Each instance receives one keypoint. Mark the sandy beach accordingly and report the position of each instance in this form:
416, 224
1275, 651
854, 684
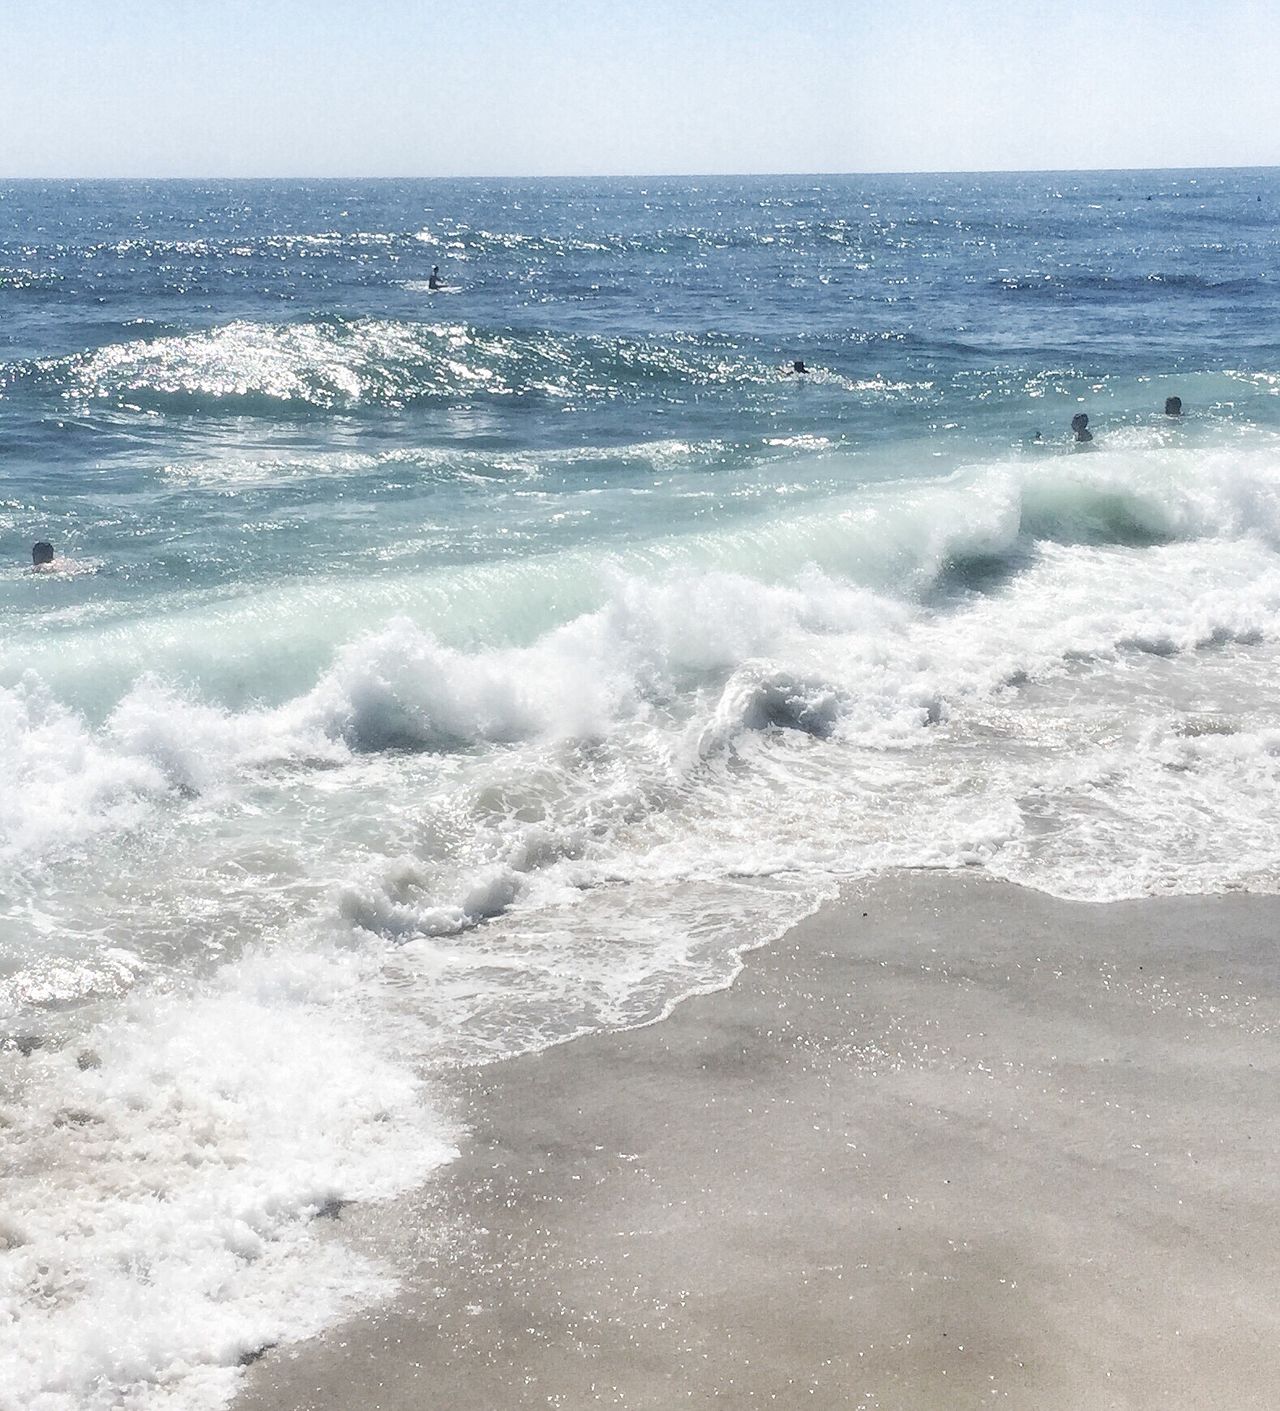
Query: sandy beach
946, 1144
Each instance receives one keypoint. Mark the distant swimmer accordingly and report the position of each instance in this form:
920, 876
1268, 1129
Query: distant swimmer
434, 282
798, 367
1080, 425
1173, 406
44, 560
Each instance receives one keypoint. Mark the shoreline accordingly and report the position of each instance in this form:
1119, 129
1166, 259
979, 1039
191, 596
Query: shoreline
946, 1143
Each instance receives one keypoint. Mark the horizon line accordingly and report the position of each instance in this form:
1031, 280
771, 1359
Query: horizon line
670, 176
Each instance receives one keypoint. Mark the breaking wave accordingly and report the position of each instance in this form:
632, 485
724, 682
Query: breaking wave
708, 631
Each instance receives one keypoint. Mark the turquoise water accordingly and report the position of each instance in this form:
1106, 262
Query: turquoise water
427, 675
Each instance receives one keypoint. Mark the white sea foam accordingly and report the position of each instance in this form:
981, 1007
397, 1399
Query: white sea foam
67, 783
161, 1174
62, 782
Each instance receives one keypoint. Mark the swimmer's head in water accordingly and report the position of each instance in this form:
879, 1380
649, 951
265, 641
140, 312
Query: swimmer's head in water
41, 553
1173, 406
1080, 421
798, 366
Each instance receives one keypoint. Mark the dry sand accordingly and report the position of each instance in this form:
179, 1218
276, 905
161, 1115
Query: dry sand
947, 1144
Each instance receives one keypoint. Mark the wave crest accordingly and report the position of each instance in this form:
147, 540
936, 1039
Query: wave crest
343, 364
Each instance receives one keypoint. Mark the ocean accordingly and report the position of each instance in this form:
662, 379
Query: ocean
427, 676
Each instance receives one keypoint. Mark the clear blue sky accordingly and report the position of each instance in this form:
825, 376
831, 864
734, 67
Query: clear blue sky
558, 87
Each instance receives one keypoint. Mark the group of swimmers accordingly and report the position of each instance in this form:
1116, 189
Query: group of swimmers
1080, 422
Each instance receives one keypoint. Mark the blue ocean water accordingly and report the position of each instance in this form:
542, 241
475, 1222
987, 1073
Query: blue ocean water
433, 674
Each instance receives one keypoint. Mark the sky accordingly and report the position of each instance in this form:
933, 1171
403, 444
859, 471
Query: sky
156, 88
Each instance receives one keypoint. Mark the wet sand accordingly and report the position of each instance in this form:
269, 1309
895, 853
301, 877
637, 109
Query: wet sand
946, 1144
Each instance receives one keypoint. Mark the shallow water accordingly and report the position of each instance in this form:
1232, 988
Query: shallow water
427, 676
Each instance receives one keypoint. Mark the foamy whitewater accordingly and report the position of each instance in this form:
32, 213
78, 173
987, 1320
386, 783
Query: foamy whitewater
428, 676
